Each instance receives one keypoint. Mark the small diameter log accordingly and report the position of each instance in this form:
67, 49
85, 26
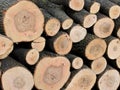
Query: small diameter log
60, 43
92, 6
118, 62
99, 65
83, 79
109, 80
104, 26
113, 49
77, 33
6, 46
76, 62
15, 76
83, 17
109, 8
52, 24
26, 56
38, 44
75, 5
51, 72
91, 47
23, 21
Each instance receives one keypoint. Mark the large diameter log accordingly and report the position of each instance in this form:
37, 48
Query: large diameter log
113, 48
104, 26
92, 6
77, 33
83, 79
6, 46
91, 47
109, 8
75, 5
51, 72
118, 62
15, 76
109, 80
60, 43
23, 21
83, 17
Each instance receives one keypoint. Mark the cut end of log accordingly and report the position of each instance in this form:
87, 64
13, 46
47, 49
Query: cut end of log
76, 5
83, 80
95, 49
118, 33
118, 62
77, 33
95, 7
67, 23
104, 27
89, 20
77, 63
52, 27
110, 80
39, 44
24, 19
99, 65
114, 49
6, 46
17, 78
114, 12
32, 56
55, 73
63, 44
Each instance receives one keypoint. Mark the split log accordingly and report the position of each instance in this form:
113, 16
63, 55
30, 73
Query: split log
75, 5
118, 62
83, 79
91, 47
99, 65
23, 18
92, 6
113, 48
56, 11
38, 44
51, 72
15, 76
109, 8
83, 17
76, 62
109, 80
104, 26
52, 24
60, 43
6, 46
26, 56
77, 33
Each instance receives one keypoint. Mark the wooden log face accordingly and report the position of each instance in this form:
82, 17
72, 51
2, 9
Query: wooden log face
95, 7
118, 62
77, 63
25, 21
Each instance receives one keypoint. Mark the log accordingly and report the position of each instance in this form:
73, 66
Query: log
6, 46
99, 65
38, 44
60, 43
75, 5
104, 26
92, 6
52, 24
77, 33
109, 8
26, 56
15, 76
91, 47
56, 11
118, 62
55, 71
23, 18
83, 17
109, 80
113, 49
83, 79
76, 62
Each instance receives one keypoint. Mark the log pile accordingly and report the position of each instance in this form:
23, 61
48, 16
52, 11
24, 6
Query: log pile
60, 44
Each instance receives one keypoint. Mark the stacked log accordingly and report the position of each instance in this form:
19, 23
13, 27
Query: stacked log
60, 44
